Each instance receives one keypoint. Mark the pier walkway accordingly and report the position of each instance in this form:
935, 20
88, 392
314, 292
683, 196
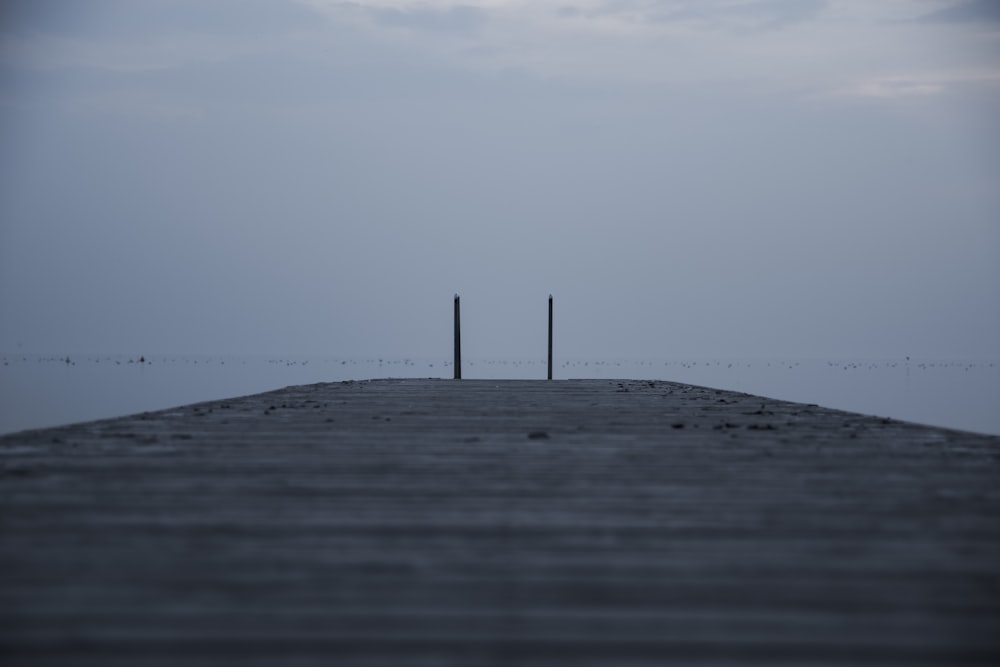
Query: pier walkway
475, 522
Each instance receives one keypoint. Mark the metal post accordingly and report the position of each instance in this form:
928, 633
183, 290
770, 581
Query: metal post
550, 336
458, 341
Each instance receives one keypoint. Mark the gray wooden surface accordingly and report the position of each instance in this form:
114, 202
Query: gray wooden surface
437, 522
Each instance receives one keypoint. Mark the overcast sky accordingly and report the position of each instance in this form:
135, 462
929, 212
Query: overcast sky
728, 178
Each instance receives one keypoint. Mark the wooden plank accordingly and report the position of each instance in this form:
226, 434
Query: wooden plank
474, 522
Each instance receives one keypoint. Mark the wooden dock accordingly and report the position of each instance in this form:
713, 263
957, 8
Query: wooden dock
474, 522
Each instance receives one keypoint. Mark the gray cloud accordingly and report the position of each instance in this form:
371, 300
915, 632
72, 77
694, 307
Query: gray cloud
462, 18
569, 11
129, 19
967, 11
757, 14
32, 16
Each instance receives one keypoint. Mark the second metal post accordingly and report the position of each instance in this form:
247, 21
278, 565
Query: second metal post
550, 336
458, 340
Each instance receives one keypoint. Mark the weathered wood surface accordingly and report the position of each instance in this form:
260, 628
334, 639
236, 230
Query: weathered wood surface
424, 522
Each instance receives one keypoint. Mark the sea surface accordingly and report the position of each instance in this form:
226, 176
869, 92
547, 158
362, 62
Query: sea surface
38, 391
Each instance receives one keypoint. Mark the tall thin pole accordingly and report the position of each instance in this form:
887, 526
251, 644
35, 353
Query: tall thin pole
550, 336
458, 340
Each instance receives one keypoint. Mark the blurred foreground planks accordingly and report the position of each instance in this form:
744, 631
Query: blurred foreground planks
474, 522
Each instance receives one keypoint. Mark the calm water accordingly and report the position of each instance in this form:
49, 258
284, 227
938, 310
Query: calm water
39, 391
